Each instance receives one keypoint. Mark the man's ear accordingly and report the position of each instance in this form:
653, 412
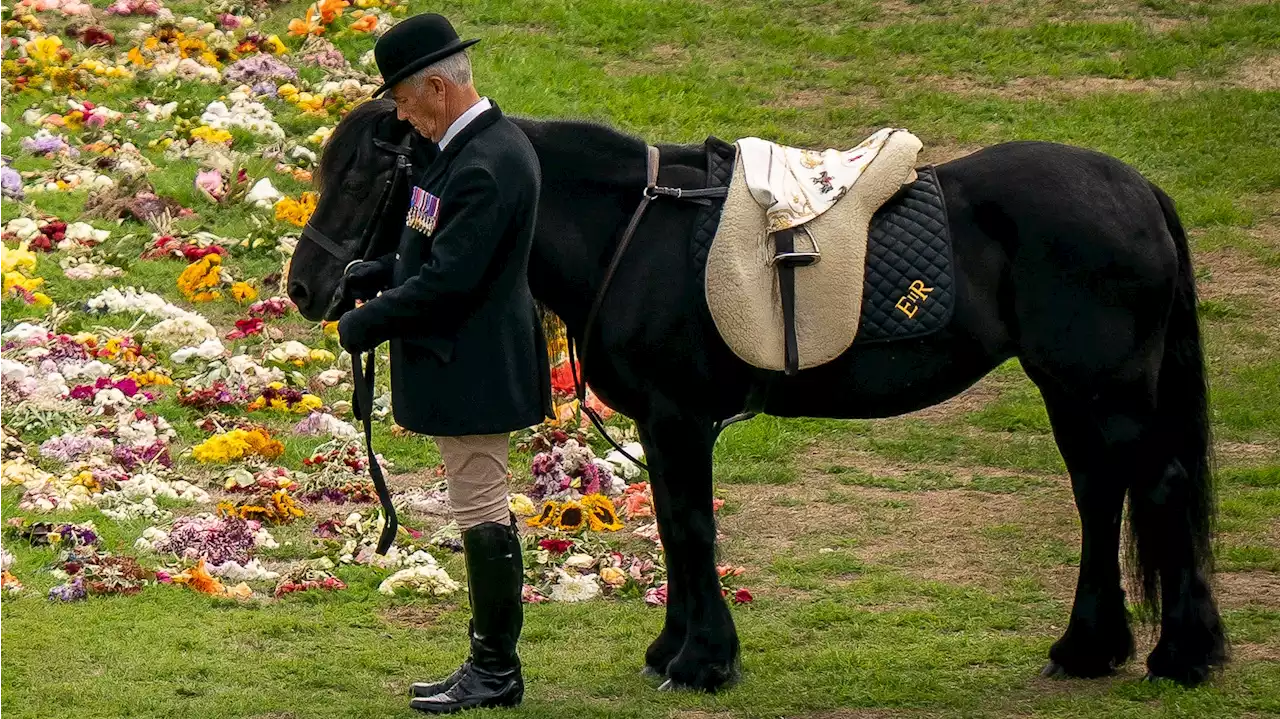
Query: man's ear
437, 84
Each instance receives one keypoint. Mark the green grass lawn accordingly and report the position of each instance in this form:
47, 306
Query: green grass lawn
917, 566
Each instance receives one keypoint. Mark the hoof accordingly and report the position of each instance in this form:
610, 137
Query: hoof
672, 685
650, 672
1054, 670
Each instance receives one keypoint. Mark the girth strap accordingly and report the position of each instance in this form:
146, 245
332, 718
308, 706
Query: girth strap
652, 191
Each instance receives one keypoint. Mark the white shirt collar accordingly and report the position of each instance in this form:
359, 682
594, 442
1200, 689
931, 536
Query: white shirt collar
465, 119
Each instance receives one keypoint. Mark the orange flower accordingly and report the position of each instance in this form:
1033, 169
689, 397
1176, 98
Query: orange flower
331, 10
200, 580
306, 27
365, 24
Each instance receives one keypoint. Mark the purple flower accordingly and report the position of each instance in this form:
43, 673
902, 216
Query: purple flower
43, 143
265, 89
69, 447
256, 68
215, 540
331, 59
69, 592
131, 457
78, 535
11, 183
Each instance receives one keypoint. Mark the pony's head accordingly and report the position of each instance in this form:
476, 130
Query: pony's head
363, 177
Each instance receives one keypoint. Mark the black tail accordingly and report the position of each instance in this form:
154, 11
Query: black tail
1177, 508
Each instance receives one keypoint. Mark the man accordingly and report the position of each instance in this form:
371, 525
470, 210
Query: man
468, 359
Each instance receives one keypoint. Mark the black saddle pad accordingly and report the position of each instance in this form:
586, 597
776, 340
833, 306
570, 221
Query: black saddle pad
909, 287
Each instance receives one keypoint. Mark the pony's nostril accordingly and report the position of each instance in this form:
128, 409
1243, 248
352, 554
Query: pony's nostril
298, 293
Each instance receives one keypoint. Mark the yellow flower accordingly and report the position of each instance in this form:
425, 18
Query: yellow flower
18, 259
613, 577
296, 212
330, 329
276, 46
309, 403
547, 517
522, 506
243, 292
236, 444
44, 49
321, 356
17, 280
151, 377
200, 278
600, 513
204, 133
572, 517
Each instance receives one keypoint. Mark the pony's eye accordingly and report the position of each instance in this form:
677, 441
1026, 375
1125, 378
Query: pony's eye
353, 187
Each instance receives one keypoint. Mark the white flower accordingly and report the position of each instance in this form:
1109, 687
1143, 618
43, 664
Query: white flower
425, 579
288, 352
113, 301
22, 228
570, 588
331, 377
263, 194
87, 371
84, 232
118, 507
25, 332
301, 153
208, 351
158, 113
623, 466
580, 561
263, 539
182, 331
253, 116
237, 572
12, 370
151, 536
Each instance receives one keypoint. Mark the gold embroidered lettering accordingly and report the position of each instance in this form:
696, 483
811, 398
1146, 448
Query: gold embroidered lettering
907, 307
917, 294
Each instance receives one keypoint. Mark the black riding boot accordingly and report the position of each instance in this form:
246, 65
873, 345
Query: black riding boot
491, 676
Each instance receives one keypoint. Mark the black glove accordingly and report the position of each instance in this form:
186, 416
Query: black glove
366, 279
354, 331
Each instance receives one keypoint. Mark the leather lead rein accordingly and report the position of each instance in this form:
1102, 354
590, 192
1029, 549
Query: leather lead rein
651, 192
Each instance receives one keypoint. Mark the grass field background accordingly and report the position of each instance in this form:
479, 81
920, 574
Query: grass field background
918, 566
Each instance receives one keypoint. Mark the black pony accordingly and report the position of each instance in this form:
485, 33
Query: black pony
1065, 258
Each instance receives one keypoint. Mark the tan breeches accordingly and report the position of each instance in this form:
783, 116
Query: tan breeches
477, 469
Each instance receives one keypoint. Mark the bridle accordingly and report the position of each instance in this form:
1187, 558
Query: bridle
363, 377
652, 191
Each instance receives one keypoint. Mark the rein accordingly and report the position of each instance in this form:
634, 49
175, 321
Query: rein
363, 377
652, 191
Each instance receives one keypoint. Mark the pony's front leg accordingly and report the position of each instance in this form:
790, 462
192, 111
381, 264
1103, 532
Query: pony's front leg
698, 647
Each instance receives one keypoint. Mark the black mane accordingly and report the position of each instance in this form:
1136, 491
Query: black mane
579, 151
351, 138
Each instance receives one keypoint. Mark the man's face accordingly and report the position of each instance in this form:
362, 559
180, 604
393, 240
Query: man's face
422, 104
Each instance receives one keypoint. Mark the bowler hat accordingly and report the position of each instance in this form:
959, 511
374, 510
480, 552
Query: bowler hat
413, 44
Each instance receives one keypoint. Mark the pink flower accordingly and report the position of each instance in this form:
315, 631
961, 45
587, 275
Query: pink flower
128, 386
742, 596
657, 596
530, 595
210, 184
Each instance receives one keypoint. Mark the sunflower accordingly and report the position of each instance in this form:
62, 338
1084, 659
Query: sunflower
547, 517
572, 517
600, 513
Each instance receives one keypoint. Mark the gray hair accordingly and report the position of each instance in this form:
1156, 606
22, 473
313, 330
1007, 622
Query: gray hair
456, 69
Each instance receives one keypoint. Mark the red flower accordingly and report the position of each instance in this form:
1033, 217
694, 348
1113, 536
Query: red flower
562, 380
95, 35
245, 328
556, 546
742, 596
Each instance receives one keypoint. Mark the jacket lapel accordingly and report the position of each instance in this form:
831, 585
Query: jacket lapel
442, 161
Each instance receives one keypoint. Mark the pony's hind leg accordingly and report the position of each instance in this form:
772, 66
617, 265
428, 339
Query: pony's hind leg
1100, 444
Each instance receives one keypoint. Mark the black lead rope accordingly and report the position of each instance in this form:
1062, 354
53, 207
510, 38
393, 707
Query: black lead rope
364, 381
